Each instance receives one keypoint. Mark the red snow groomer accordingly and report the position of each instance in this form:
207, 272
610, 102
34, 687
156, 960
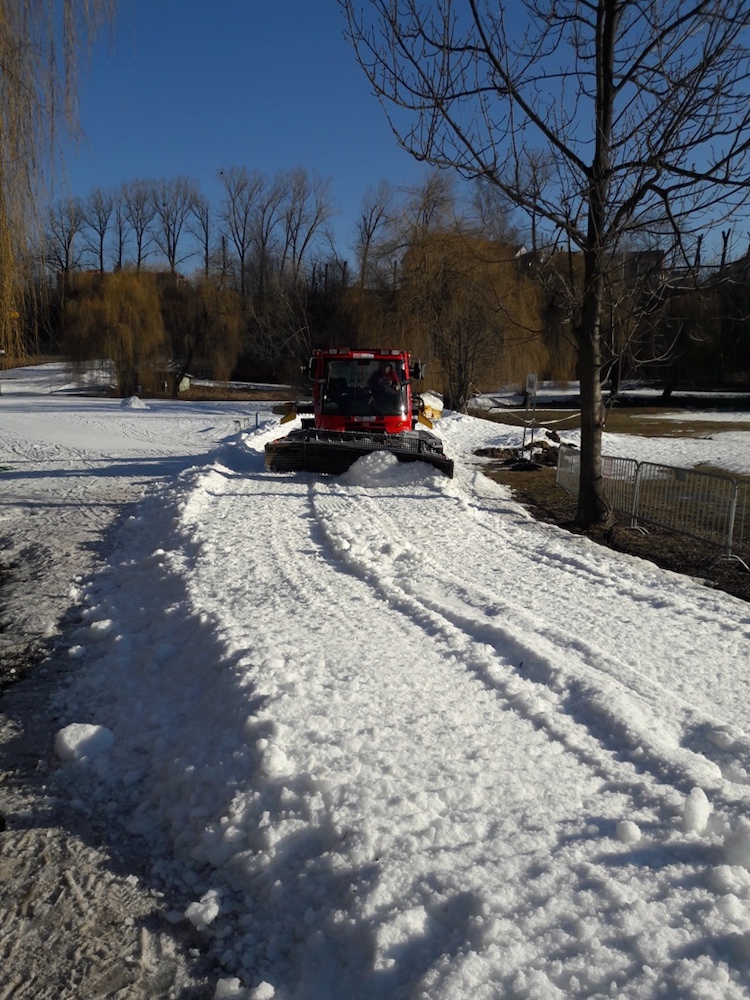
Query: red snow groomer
363, 401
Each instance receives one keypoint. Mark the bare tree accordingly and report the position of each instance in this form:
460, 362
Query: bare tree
266, 219
639, 111
97, 213
173, 201
39, 44
241, 189
371, 223
64, 224
201, 227
307, 208
119, 231
138, 211
431, 204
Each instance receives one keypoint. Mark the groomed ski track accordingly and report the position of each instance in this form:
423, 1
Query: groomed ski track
533, 724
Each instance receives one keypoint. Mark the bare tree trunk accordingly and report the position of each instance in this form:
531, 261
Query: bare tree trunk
592, 504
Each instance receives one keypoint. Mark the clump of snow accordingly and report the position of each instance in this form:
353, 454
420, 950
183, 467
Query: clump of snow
203, 913
264, 991
382, 468
133, 403
628, 832
274, 762
83, 741
696, 811
100, 629
231, 989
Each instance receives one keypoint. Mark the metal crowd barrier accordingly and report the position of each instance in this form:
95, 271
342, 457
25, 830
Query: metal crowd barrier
706, 505
568, 469
741, 535
245, 423
621, 478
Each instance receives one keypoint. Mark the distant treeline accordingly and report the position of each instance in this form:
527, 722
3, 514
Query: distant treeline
157, 280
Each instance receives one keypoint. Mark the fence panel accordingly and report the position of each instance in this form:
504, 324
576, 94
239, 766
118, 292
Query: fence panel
568, 469
741, 534
705, 505
620, 481
619, 477
699, 504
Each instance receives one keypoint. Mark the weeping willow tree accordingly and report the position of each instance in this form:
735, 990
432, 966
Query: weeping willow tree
468, 305
40, 41
117, 316
204, 325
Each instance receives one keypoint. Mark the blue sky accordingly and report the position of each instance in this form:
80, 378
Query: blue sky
189, 87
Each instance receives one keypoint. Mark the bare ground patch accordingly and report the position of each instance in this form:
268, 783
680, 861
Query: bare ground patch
83, 913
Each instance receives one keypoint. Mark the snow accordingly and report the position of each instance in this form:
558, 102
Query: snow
697, 811
394, 738
83, 741
724, 449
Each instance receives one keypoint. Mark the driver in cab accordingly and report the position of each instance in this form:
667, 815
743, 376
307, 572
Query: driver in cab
385, 380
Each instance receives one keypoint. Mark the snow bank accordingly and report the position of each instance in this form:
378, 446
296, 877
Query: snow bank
133, 403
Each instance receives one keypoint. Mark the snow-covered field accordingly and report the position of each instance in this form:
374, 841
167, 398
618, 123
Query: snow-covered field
395, 738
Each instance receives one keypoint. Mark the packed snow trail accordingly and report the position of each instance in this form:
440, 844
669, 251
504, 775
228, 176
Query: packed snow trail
550, 613
360, 710
385, 736
69, 464
388, 732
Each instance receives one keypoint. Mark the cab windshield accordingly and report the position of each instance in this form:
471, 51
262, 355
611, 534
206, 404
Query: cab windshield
364, 387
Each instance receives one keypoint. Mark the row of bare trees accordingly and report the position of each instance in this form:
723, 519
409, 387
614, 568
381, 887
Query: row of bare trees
265, 223
267, 241
439, 270
457, 299
423, 256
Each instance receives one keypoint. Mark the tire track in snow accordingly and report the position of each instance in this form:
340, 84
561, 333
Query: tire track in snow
286, 566
282, 564
710, 631
361, 726
322, 594
599, 714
